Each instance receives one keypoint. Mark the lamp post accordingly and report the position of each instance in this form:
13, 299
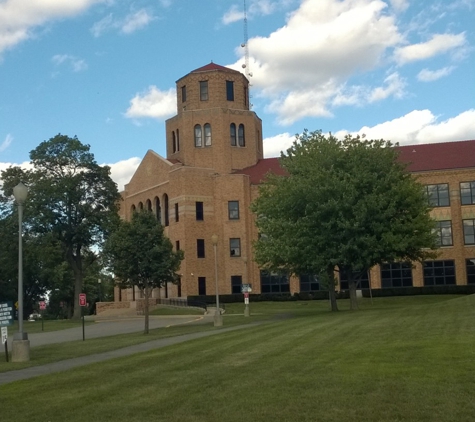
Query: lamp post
20, 344
218, 319
100, 289
246, 299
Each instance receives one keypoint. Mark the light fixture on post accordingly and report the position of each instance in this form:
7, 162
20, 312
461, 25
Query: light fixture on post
20, 344
218, 319
100, 289
246, 293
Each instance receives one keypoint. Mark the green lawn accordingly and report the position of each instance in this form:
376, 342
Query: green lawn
400, 359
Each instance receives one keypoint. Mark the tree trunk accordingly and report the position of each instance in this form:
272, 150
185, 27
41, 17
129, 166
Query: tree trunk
353, 299
146, 307
75, 261
331, 289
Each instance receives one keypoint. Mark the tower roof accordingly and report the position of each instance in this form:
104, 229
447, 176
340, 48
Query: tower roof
213, 66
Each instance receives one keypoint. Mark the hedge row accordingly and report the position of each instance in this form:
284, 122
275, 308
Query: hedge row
323, 294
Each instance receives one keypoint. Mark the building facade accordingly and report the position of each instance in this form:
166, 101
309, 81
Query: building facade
210, 177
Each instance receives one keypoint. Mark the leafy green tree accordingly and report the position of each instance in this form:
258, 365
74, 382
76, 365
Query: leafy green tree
345, 204
71, 198
141, 255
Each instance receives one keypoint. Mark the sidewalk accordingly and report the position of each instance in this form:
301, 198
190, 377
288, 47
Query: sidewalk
51, 368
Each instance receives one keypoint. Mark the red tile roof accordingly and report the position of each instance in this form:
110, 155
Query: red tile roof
421, 157
213, 66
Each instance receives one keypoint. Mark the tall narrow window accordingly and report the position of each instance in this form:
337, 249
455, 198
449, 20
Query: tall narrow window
207, 129
183, 93
241, 138
202, 286
148, 205
233, 210
199, 211
158, 211
177, 245
469, 232
177, 140
204, 90
230, 90
236, 284
246, 97
235, 247
200, 248
177, 213
443, 231
198, 139
165, 206
232, 133
173, 142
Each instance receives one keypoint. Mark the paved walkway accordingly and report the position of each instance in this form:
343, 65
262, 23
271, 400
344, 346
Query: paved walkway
22, 374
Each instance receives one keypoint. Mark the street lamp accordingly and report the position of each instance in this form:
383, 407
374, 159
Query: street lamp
100, 289
218, 319
20, 344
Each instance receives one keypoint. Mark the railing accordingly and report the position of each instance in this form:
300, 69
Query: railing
183, 303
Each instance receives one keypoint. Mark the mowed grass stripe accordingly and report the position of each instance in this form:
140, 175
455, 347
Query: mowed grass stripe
395, 363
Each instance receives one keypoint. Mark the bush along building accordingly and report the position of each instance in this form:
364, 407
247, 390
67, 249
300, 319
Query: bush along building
210, 177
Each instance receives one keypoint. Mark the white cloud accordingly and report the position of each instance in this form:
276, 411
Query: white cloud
426, 75
421, 126
438, 44
77, 65
234, 14
131, 23
153, 103
304, 68
17, 20
6, 143
399, 5
275, 144
122, 171
394, 87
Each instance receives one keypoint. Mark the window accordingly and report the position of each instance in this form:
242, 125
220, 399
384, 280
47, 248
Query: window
183, 93
198, 141
235, 247
178, 140
470, 266
361, 283
241, 139
177, 245
173, 142
309, 283
469, 232
443, 231
140, 206
467, 193
236, 283
132, 208
165, 206
396, 274
230, 90
438, 195
207, 128
204, 90
148, 205
246, 97
177, 213
438, 273
158, 212
274, 283
202, 286
232, 130
200, 248
233, 210
199, 211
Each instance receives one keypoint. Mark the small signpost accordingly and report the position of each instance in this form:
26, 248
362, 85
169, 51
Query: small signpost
246, 289
82, 304
6, 318
42, 308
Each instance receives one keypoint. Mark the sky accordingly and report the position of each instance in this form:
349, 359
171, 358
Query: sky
105, 70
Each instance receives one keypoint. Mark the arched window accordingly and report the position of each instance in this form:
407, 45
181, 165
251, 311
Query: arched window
232, 133
158, 211
132, 209
148, 205
207, 128
166, 221
173, 142
241, 138
177, 140
140, 206
198, 141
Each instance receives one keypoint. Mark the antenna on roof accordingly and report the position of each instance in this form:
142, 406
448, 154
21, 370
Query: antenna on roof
245, 45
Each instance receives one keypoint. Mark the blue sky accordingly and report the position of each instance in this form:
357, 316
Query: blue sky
105, 70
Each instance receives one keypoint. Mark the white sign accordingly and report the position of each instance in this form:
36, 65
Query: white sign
4, 334
246, 301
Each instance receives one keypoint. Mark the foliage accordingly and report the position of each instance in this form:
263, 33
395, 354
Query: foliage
72, 200
141, 255
348, 204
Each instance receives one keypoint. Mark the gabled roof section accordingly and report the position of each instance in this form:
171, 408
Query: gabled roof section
439, 156
213, 66
421, 157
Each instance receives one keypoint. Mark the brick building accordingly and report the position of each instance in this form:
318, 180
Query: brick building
208, 180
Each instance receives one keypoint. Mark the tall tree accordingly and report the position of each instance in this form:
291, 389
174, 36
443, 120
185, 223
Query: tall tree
71, 197
345, 204
141, 255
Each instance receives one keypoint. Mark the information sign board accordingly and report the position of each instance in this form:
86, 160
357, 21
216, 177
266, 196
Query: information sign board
4, 334
82, 299
42, 305
246, 288
6, 313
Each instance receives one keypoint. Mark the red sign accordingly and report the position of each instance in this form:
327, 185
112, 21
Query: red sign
42, 306
246, 295
82, 299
